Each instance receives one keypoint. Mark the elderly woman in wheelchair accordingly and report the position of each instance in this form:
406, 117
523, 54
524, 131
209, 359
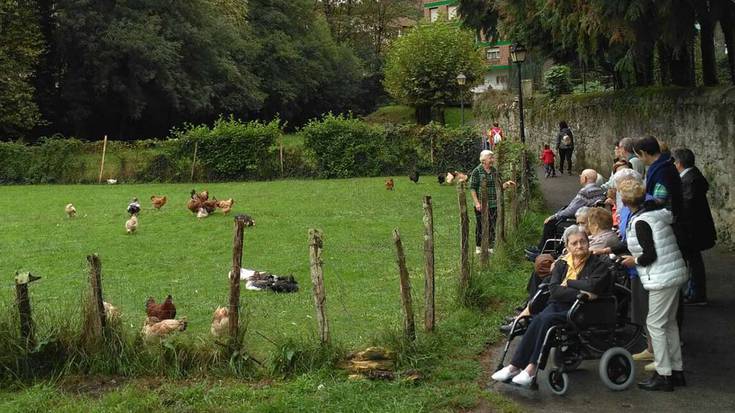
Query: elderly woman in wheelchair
578, 278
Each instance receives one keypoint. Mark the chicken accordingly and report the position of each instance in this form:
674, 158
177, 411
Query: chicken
131, 225
389, 184
460, 177
201, 196
71, 212
210, 205
111, 312
414, 176
163, 311
157, 329
450, 178
194, 204
158, 202
202, 213
220, 322
134, 207
226, 205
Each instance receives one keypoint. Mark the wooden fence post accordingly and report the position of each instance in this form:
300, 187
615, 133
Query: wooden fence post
317, 282
514, 198
428, 264
102, 163
409, 327
27, 328
499, 211
280, 150
485, 220
464, 231
194, 160
234, 308
96, 311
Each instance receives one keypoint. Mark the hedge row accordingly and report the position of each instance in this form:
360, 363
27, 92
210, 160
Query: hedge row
334, 147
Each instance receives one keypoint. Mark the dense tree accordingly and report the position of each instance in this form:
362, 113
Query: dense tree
422, 66
21, 46
303, 71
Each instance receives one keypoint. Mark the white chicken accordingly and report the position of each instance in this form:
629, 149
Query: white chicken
70, 210
220, 322
157, 329
131, 225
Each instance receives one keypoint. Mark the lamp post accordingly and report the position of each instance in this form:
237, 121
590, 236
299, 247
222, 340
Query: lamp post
518, 56
461, 79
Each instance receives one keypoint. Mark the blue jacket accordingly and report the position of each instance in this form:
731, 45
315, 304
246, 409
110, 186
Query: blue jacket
664, 172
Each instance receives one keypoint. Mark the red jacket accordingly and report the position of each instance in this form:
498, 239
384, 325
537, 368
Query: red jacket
547, 156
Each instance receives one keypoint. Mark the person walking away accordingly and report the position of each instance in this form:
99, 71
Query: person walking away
662, 271
565, 146
547, 157
696, 224
494, 136
487, 171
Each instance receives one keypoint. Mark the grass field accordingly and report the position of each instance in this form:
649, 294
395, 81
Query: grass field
176, 253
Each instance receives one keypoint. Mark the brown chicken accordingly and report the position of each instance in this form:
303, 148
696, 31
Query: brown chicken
210, 205
156, 329
226, 205
158, 201
389, 184
163, 311
220, 322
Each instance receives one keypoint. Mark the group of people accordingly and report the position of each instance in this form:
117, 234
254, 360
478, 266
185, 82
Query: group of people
653, 214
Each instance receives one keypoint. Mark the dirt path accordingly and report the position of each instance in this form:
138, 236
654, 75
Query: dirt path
709, 359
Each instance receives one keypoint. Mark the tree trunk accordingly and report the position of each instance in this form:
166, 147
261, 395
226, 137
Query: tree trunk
437, 114
664, 64
423, 114
681, 67
707, 44
727, 22
643, 63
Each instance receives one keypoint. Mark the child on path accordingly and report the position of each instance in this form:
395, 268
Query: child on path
547, 157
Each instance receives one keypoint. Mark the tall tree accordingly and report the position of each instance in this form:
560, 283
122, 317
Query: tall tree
21, 42
422, 66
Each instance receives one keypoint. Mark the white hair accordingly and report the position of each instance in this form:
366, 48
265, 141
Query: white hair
626, 173
485, 154
572, 230
582, 211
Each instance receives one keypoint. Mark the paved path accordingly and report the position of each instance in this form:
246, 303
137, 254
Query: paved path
709, 350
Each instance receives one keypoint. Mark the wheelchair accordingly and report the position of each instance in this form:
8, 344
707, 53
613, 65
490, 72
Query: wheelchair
593, 329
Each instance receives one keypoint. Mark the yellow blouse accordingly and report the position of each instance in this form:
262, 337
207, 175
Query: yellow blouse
572, 270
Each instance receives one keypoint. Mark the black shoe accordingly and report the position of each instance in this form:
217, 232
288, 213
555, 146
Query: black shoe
657, 383
532, 250
505, 329
677, 378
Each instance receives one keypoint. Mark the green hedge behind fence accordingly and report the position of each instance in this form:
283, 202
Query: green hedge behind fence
334, 147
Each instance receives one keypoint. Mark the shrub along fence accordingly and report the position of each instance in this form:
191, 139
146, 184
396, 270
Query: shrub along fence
335, 146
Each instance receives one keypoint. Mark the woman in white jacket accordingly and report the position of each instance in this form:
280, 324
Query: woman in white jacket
662, 271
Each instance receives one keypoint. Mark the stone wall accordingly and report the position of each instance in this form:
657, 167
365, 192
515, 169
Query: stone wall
701, 119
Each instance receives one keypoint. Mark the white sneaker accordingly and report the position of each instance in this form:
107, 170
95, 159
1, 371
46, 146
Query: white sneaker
478, 250
523, 379
504, 374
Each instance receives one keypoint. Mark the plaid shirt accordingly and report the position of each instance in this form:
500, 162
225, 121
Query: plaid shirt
476, 177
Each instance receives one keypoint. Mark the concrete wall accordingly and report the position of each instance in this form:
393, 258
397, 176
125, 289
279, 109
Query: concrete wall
700, 119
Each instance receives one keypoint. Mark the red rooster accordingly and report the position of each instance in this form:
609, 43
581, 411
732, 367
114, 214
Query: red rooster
163, 311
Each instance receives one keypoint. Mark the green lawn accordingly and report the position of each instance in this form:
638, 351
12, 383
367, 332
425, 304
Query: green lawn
176, 253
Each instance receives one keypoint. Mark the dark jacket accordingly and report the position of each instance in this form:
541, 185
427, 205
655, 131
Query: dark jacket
595, 278
587, 196
559, 143
696, 217
664, 172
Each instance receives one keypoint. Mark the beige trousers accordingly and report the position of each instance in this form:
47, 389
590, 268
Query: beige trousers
664, 332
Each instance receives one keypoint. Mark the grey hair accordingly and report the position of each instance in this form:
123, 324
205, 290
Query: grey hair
573, 230
627, 144
485, 154
627, 173
582, 211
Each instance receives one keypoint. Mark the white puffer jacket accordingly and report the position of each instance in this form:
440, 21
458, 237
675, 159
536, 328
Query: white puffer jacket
669, 269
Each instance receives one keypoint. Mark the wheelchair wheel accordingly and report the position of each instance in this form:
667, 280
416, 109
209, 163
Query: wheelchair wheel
567, 363
616, 369
558, 382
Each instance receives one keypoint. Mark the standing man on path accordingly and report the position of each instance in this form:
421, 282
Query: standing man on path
697, 223
486, 170
565, 146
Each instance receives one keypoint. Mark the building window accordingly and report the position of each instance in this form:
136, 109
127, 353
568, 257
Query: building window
433, 14
452, 12
493, 53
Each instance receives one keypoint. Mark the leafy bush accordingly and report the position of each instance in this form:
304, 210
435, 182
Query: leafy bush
232, 149
16, 159
558, 80
454, 149
591, 87
57, 160
345, 147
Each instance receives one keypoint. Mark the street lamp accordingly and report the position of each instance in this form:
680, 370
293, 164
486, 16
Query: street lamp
461, 80
518, 56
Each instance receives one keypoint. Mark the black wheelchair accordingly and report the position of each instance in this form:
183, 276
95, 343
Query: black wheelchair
593, 329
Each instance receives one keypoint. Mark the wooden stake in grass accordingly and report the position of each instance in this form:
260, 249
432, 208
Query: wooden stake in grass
317, 282
428, 264
234, 310
280, 150
464, 231
102, 163
194, 161
95, 312
27, 328
485, 214
409, 327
